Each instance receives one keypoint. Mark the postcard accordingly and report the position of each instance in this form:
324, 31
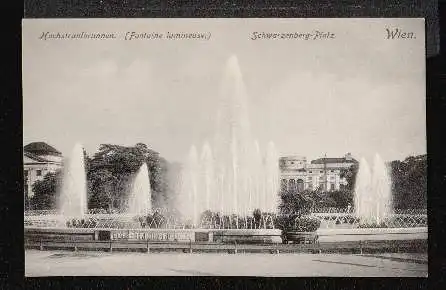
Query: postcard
225, 147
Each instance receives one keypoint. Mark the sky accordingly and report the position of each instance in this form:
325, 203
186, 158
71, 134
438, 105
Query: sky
358, 93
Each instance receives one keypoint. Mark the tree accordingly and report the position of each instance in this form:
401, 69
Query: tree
409, 182
342, 198
257, 215
158, 168
45, 191
291, 203
112, 168
350, 176
326, 201
87, 161
101, 189
109, 172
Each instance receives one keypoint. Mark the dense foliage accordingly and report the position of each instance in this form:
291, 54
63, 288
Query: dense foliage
292, 203
45, 197
297, 223
109, 173
110, 170
410, 182
409, 187
306, 224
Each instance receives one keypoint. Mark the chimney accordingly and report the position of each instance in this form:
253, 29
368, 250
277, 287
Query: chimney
348, 156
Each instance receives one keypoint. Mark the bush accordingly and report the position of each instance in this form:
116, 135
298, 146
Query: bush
285, 222
306, 224
373, 225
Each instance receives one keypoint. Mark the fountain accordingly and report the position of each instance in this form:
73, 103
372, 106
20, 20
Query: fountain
231, 176
140, 194
73, 197
381, 184
228, 177
373, 198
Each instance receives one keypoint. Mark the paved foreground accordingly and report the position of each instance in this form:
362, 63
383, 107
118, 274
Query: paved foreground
64, 263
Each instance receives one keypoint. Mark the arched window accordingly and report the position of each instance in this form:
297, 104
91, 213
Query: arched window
283, 184
300, 185
292, 185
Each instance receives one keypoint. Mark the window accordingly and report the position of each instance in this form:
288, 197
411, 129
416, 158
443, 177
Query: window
321, 171
310, 178
26, 174
39, 173
292, 185
332, 187
300, 185
311, 171
284, 184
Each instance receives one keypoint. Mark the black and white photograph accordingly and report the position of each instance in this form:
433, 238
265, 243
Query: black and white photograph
225, 147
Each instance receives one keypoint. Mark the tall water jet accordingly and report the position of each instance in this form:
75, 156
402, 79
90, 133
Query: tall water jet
207, 171
382, 189
231, 176
272, 178
373, 194
188, 202
362, 198
139, 199
73, 197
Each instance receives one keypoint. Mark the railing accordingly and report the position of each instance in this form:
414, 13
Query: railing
413, 211
360, 246
111, 221
164, 211
350, 221
329, 217
40, 212
90, 211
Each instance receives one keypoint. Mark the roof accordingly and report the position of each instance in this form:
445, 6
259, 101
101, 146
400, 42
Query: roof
333, 160
31, 158
34, 157
293, 157
41, 148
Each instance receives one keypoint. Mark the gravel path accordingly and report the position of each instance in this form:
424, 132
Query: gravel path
60, 263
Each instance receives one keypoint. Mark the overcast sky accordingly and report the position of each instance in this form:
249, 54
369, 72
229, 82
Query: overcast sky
357, 93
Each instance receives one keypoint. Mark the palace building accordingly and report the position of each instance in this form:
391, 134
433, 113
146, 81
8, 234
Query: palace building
39, 158
297, 174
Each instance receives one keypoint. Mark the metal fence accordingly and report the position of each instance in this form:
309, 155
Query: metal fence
347, 220
410, 211
329, 217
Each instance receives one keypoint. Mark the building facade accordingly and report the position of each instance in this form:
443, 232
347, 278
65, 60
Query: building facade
39, 159
297, 174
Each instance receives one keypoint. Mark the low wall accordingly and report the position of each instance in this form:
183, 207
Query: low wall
247, 236
60, 234
262, 236
335, 235
199, 235
371, 231
156, 235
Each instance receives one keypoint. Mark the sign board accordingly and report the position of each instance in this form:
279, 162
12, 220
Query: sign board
153, 235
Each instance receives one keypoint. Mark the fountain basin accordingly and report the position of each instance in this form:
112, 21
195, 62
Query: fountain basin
299, 237
356, 234
157, 235
247, 236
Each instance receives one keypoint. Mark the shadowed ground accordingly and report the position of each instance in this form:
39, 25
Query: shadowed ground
60, 263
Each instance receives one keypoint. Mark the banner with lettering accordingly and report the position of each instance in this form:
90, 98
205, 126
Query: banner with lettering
154, 235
